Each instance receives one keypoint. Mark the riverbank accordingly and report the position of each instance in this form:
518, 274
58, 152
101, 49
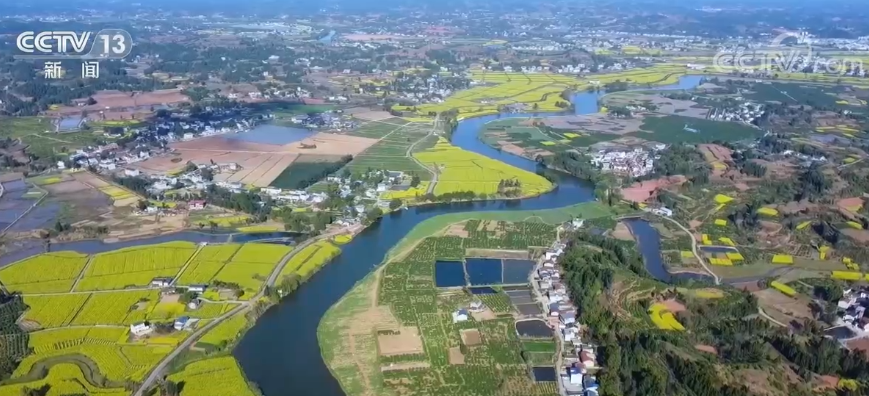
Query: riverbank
287, 333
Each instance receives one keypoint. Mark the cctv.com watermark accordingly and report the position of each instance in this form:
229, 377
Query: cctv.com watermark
777, 57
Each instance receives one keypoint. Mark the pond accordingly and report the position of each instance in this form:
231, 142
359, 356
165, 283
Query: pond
67, 124
533, 329
544, 374
517, 271
281, 353
482, 290
649, 242
449, 274
484, 271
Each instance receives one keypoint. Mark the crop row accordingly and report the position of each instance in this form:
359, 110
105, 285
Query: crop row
266, 253
54, 310
218, 376
165, 256
461, 170
64, 379
116, 307
225, 332
46, 273
117, 363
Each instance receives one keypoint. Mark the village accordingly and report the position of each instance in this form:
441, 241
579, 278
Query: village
577, 362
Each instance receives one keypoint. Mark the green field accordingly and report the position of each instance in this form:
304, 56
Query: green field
391, 152
588, 210
378, 129
301, 173
530, 137
671, 129
406, 287
38, 133
797, 94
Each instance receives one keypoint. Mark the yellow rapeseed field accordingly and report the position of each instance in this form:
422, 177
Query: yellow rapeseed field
218, 376
460, 170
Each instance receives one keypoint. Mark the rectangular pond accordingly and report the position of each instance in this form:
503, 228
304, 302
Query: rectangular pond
449, 274
517, 271
482, 290
272, 134
544, 374
484, 271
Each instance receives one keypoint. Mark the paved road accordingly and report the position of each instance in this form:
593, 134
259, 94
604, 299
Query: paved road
157, 372
409, 154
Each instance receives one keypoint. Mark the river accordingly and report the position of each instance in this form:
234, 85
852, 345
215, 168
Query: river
281, 353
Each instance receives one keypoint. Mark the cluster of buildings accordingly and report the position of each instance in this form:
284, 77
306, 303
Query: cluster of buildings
746, 112
326, 120
852, 309
182, 323
633, 163
579, 358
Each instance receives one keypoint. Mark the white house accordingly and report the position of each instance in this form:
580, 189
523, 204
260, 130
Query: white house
181, 322
460, 316
61, 165
575, 375
141, 328
196, 205
662, 211
132, 172
161, 282
197, 288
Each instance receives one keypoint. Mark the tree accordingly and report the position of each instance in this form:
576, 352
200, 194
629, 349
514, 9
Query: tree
207, 174
142, 204
414, 181
169, 388
373, 214
395, 204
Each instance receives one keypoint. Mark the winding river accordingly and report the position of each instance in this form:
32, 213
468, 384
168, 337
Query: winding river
281, 353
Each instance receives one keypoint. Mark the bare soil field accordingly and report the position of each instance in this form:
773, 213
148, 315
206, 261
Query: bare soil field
508, 146
457, 229
747, 286
715, 152
673, 305
642, 191
861, 236
496, 253
852, 204
486, 314
261, 163
116, 100
471, 337
860, 344
456, 356
67, 187
90, 179
364, 113
706, 348
777, 305
622, 232
408, 342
